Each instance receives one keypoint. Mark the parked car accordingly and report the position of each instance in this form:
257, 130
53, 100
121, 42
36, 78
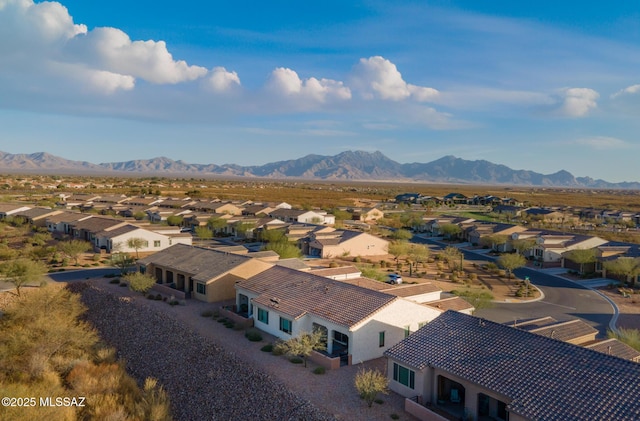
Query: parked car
393, 279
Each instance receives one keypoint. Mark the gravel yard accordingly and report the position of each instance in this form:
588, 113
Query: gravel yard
215, 373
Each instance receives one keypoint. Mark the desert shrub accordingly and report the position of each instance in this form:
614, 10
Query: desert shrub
395, 416
267, 348
123, 284
158, 297
222, 320
114, 281
206, 313
151, 297
174, 303
319, 370
296, 360
253, 335
280, 348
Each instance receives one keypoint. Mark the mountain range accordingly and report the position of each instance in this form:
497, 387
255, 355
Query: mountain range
349, 165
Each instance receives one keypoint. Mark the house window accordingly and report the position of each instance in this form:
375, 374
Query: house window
156, 243
381, 339
201, 288
407, 331
404, 376
285, 325
340, 337
263, 316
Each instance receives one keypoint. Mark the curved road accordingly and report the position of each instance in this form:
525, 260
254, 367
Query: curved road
563, 299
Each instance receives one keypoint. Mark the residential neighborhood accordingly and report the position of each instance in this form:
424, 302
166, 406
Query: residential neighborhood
230, 255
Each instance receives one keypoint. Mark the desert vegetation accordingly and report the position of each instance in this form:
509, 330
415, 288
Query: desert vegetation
47, 350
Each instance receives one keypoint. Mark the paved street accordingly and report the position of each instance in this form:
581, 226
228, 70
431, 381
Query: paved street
563, 299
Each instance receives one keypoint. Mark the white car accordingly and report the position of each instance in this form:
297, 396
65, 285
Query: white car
394, 279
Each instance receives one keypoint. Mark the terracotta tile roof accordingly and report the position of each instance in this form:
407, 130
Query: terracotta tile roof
202, 264
543, 378
67, 217
411, 290
293, 263
366, 283
96, 224
342, 270
566, 331
451, 303
615, 347
296, 293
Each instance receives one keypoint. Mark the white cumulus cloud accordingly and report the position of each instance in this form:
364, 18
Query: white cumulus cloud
629, 90
222, 80
113, 50
378, 77
41, 46
286, 82
602, 143
577, 102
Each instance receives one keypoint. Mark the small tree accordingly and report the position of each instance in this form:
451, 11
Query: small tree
137, 243
478, 299
581, 256
417, 254
369, 383
21, 272
453, 257
398, 249
139, 282
305, 343
401, 234
450, 230
216, 223
523, 245
122, 261
174, 220
511, 261
203, 233
285, 249
624, 266
494, 241
74, 248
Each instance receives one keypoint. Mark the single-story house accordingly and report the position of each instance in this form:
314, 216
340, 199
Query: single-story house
344, 243
359, 323
7, 209
478, 369
205, 274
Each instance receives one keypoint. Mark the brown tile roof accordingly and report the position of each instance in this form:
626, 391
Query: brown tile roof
366, 283
411, 290
342, 270
296, 293
96, 224
541, 378
67, 217
566, 331
451, 303
201, 263
616, 348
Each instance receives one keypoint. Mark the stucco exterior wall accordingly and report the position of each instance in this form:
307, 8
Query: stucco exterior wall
392, 319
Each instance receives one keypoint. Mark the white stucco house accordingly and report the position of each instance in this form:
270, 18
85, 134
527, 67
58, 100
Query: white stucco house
359, 323
116, 239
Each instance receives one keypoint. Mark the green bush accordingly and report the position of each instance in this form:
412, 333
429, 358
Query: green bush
267, 348
253, 335
158, 297
115, 281
395, 416
379, 401
319, 370
296, 360
206, 313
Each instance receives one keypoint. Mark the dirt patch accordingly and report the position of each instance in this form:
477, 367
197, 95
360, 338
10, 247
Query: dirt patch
473, 276
629, 307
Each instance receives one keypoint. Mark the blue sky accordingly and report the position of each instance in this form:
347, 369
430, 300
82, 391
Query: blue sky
533, 85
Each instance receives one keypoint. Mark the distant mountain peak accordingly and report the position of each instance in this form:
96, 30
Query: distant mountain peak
347, 165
